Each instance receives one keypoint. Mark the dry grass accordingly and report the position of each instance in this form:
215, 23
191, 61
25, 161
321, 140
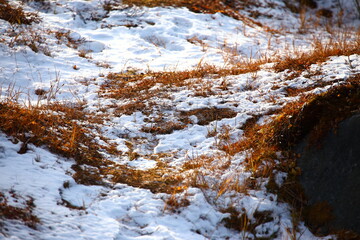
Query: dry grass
228, 8
299, 118
158, 179
204, 171
137, 88
129, 108
61, 133
103, 64
241, 222
16, 15
56, 127
207, 115
198, 162
175, 202
345, 43
65, 135
25, 214
118, 86
64, 37
27, 36
164, 127
68, 131
314, 114
265, 141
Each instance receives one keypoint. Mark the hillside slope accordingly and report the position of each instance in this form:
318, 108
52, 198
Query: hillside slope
123, 121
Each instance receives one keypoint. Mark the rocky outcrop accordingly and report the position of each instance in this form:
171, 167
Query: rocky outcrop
331, 173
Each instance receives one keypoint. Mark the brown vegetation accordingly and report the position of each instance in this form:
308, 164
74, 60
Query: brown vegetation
69, 131
16, 15
164, 127
136, 88
139, 87
228, 8
299, 118
60, 132
345, 44
158, 179
207, 115
241, 222
25, 214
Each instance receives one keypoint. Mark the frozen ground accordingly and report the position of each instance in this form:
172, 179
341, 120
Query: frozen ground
142, 39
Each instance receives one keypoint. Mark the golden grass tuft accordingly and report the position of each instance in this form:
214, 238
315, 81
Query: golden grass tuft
57, 127
164, 127
207, 115
61, 133
158, 179
342, 44
175, 202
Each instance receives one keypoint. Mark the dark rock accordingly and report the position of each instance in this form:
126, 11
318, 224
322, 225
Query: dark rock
331, 173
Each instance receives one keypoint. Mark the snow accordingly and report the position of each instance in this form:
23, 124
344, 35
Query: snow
141, 39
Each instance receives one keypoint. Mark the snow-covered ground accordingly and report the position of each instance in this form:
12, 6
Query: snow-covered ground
142, 39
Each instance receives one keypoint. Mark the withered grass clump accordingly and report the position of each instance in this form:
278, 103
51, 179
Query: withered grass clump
163, 127
174, 203
207, 115
136, 105
16, 15
241, 222
60, 132
118, 88
344, 46
157, 179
